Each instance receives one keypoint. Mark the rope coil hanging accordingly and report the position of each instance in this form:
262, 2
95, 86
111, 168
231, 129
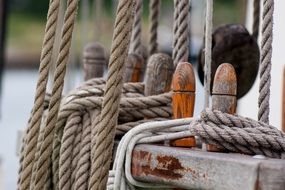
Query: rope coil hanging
74, 147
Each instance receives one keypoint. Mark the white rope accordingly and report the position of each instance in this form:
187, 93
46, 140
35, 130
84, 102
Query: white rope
208, 52
145, 133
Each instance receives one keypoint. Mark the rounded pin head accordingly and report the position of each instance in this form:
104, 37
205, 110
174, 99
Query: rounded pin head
184, 78
94, 60
233, 44
94, 50
225, 81
159, 73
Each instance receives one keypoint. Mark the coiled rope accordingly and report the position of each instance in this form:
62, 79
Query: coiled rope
74, 146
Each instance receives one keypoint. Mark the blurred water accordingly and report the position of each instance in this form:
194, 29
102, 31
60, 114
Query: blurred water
17, 99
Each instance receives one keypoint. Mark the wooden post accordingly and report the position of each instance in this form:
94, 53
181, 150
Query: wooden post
159, 73
94, 60
224, 94
134, 68
283, 102
183, 99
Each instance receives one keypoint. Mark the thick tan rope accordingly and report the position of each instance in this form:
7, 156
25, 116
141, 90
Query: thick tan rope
135, 46
265, 67
110, 105
84, 163
154, 11
28, 154
45, 150
65, 171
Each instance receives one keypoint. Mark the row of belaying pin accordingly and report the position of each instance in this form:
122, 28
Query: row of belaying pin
235, 63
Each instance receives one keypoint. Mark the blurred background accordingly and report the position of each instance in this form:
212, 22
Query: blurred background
23, 40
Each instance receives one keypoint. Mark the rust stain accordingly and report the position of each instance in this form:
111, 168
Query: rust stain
161, 166
166, 167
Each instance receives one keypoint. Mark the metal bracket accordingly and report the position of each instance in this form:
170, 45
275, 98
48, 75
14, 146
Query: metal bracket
197, 169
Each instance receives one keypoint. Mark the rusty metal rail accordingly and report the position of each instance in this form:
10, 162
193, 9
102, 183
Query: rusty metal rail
197, 169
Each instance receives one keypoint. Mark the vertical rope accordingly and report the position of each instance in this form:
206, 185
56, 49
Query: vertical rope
31, 138
256, 18
175, 29
154, 8
183, 32
109, 114
208, 52
136, 34
266, 54
45, 150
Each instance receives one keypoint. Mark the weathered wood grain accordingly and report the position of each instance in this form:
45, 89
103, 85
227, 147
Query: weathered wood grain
183, 99
224, 93
159, 73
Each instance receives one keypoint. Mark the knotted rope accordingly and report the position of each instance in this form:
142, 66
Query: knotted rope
74, 146
265, 67
132, 110
154, 11
230, 132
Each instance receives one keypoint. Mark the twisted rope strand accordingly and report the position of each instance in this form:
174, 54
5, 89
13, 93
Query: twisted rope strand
109, 113
45, 150
154, 11
27, 157
265, 67
175, 29
137, 28
183, 32
256, 19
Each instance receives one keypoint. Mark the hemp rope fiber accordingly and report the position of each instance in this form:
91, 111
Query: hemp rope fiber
266, 55
154, 11
135, 46
181, 34
28, 153
74, 145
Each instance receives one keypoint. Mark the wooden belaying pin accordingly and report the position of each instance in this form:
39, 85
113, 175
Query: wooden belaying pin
94, 60
224, 94
159, 73
183, 99
134, 68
